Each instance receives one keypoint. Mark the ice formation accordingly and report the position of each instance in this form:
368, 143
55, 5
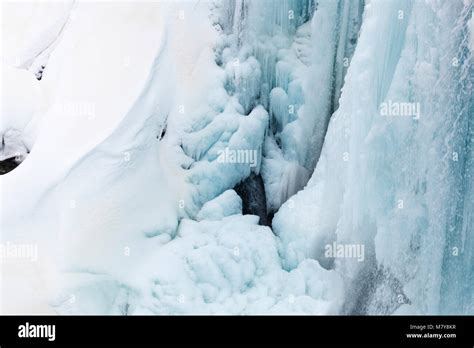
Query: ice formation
203, 157
400, 185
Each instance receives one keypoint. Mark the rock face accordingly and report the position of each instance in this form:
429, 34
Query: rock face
252, 192
8, 165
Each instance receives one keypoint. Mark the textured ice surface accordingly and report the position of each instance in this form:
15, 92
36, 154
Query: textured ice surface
226, 204
226, 266
293, 63
400, 184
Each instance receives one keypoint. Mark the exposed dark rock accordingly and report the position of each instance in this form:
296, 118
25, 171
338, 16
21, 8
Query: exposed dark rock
8, 165
254, 201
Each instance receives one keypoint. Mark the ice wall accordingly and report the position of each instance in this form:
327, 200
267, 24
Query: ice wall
397, 183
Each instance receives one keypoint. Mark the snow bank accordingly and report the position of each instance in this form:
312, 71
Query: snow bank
95, 170
229, 266
21, 98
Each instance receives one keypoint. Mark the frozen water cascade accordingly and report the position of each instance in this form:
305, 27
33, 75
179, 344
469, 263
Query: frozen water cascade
273, 55
208, 154
399, 184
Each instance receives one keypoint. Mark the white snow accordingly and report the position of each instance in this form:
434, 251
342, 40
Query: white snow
227, 204
20, 101
98, 135
229, 266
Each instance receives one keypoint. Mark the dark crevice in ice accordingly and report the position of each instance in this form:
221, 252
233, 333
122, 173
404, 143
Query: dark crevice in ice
254, 202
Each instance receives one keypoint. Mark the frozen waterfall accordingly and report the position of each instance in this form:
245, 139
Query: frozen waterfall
238, 156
